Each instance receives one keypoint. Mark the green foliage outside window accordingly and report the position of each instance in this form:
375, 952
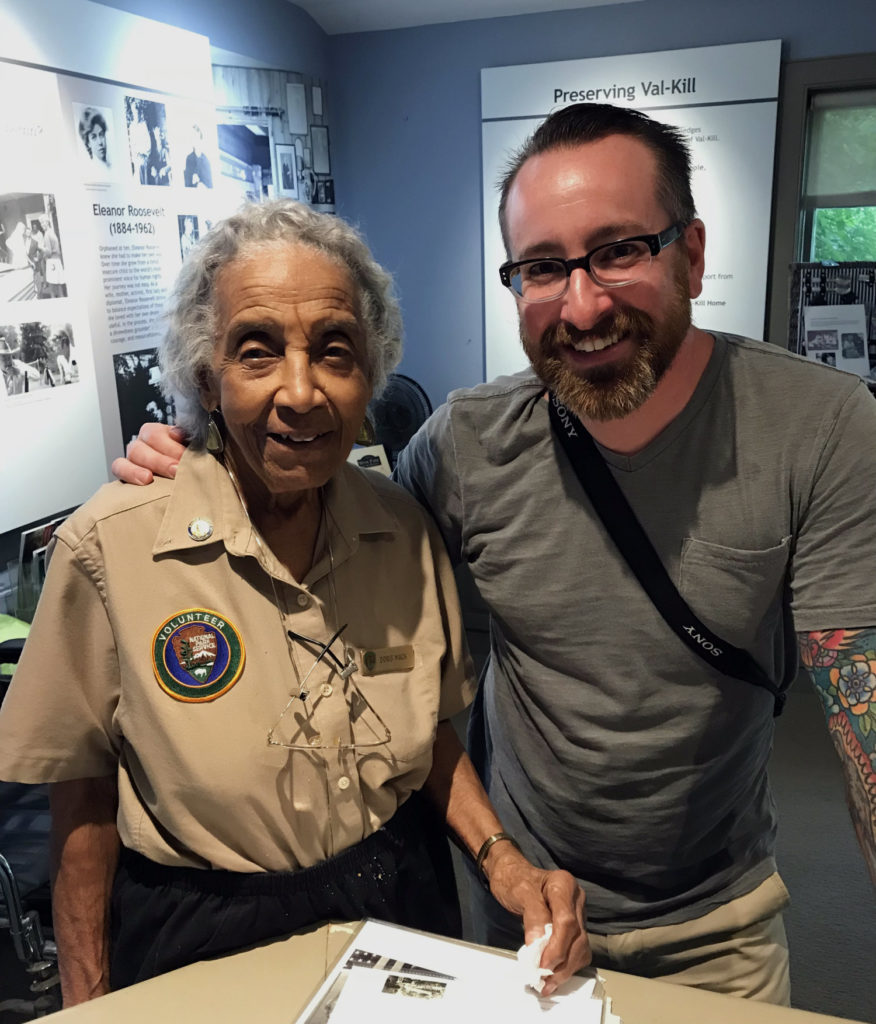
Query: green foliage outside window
844, 233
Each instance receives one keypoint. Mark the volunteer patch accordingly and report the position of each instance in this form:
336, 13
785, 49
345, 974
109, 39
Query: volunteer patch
197, 655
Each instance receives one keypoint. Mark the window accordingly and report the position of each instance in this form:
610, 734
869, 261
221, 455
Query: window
804, 213
838, 203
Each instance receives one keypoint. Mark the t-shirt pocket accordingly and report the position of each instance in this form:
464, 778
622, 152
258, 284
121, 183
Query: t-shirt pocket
735, 591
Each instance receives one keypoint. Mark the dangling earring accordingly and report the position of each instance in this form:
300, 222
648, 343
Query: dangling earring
366, 435
215, 444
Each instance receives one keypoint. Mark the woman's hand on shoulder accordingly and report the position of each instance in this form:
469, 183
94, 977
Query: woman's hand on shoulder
155, 451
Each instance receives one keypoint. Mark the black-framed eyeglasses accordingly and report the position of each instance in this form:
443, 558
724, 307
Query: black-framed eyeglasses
612, 265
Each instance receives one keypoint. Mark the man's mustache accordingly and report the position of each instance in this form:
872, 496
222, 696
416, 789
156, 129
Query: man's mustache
612, 327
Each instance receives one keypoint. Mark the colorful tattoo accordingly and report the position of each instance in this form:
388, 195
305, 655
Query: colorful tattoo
842, 663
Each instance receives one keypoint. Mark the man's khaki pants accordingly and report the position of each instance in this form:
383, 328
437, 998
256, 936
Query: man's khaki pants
739, 949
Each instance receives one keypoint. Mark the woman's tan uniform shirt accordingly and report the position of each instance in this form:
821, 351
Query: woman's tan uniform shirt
140, 620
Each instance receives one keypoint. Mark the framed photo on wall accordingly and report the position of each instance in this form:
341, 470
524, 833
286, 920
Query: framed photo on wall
320, 138
287, 171
296, 108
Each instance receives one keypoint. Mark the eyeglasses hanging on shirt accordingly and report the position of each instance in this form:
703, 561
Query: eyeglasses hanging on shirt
299, 708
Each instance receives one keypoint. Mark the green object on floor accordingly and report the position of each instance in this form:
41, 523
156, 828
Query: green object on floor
10, 629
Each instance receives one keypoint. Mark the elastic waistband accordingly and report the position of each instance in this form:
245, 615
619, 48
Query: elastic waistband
399, 831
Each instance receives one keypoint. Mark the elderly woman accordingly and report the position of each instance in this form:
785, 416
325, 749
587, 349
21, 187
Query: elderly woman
238, 681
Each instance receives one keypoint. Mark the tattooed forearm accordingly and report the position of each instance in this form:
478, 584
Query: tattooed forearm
842, 663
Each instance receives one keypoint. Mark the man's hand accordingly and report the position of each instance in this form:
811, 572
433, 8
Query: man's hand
538, 896
156, 449
542, 897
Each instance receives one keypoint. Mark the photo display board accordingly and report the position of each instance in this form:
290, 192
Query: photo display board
109, 142
724, 98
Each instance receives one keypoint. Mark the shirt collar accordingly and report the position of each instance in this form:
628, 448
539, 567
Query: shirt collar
202, 490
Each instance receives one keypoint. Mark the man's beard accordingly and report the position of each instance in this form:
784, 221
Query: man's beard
616, 389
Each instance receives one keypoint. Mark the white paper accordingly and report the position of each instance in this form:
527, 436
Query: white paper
396, 974
837, 336
371, 456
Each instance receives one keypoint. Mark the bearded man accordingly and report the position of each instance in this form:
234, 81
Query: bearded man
608, 746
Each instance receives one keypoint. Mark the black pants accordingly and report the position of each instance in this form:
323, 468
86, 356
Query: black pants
163, 917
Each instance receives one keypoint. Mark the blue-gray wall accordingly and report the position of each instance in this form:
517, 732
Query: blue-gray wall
406, 135
405, 132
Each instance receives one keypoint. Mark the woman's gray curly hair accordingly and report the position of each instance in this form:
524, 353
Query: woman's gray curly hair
186, 353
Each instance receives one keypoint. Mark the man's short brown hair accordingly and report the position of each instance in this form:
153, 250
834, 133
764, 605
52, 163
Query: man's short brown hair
581, 123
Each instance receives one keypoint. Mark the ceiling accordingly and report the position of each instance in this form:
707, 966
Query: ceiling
338, 16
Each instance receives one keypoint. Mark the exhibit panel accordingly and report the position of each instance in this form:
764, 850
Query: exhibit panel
723, 98
104, 186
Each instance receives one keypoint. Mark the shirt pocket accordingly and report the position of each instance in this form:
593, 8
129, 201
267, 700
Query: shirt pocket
737, 592
402, 704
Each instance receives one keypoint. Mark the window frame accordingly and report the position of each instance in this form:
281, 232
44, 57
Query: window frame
799, 80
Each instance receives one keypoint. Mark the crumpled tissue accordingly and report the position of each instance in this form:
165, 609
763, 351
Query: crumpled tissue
529, 958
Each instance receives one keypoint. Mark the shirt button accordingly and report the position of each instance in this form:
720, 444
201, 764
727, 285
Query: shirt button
315, 740
343, 782
303, 600
326, 689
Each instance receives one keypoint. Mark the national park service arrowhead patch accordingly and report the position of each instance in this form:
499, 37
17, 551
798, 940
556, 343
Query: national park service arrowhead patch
197, 655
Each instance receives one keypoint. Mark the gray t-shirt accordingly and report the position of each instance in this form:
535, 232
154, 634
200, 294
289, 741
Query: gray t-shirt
612, 750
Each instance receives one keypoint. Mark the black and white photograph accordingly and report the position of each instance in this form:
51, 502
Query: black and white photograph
383, 965
36, 356
12, 376
32, 551
31, 255
308, 185
197, 172
296, 108
189, 233
147, 141
414, 988
852, 345
828, 358
287, 171
319, 136
138, 386
244, 161
818, 341
94, 129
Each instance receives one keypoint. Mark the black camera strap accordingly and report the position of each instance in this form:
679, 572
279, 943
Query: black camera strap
633, 543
